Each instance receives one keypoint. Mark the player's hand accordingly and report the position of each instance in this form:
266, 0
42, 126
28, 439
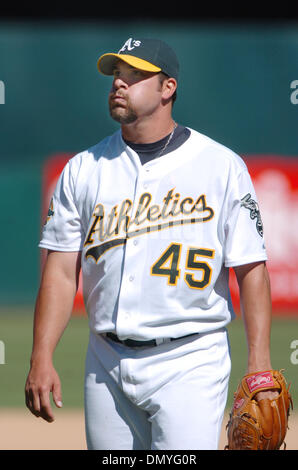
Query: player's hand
43, 380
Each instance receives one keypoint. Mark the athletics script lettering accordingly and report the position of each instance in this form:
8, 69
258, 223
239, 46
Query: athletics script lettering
123, 222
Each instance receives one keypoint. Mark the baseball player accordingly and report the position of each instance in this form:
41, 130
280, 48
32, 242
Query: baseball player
154, 216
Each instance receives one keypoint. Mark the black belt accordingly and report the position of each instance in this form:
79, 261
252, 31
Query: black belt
131, 343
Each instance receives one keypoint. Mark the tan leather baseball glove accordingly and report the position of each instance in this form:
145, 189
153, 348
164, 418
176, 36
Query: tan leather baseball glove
263, 424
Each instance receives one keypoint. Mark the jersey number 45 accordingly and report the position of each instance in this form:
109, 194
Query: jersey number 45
168, 265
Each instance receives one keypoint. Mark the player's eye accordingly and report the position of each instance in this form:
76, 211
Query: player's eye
139, 73
116, 73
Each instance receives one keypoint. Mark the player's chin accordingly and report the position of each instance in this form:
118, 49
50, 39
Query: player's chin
121, 115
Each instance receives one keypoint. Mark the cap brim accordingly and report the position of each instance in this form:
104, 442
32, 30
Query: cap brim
106, 63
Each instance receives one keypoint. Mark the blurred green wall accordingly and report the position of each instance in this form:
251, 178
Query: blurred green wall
234, 86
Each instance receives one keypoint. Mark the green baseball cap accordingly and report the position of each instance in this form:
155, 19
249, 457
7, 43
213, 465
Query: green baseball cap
151, 55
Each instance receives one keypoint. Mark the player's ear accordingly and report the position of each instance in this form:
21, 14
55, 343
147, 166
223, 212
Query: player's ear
169, 87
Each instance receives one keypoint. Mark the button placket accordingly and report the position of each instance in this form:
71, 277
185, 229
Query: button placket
130, 296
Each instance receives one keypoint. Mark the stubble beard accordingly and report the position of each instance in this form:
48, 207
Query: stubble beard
123, 115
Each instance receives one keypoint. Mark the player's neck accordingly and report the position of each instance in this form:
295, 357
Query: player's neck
146, 131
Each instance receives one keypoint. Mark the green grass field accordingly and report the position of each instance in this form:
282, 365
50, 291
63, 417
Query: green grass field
16, 334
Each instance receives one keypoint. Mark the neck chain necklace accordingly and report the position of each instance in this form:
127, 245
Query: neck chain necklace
167, 142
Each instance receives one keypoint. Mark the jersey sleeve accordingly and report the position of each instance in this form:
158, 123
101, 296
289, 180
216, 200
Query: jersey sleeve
244, 234
63, 230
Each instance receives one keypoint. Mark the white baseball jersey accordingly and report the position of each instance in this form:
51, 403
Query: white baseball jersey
156, 239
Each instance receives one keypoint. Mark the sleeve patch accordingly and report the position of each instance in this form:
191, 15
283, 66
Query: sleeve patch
51, 212
254, 210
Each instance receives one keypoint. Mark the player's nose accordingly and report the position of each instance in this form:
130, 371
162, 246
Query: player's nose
118, 83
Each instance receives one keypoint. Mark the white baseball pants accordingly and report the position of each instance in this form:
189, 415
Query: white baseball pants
167, 397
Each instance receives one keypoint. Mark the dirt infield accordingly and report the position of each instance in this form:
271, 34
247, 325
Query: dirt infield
20, 430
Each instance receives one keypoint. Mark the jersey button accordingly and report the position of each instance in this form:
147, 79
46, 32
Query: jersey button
131, 278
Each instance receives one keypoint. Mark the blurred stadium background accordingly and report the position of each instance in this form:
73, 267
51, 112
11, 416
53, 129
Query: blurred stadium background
238, 85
